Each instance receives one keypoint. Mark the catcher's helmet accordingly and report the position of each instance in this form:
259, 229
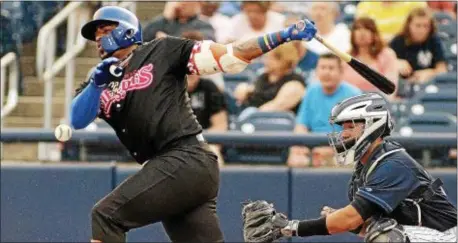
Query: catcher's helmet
127, 33
372, 109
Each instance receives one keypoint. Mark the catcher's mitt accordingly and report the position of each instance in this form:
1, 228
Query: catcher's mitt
257, 222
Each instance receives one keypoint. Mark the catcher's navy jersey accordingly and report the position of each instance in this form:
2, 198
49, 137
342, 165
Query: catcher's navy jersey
398, 177
150, 108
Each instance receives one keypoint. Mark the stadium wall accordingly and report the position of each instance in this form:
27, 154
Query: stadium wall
52, 203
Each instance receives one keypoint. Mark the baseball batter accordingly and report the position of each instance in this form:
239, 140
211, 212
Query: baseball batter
393, 198
140, 90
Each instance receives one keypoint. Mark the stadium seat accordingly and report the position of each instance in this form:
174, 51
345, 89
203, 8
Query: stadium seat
261, 122
429, 122
447, 31
397, 110
446, 81
442, 18
7, 44
445, 78
267, 121
232, 80
440, 101
450, 49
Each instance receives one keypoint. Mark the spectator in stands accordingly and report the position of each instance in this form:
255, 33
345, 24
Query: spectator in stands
419, 49
448, 7
325, 14
178, 17
315, 109
230, 8
291, 7
209, 106
388, 15
307, 58
254, 20
368, 46
279, 88
220, 22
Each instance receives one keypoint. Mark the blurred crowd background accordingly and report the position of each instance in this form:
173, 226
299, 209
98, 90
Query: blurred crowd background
295, 86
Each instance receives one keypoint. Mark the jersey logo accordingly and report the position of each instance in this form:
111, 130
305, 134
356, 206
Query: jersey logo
424, 58
117, 91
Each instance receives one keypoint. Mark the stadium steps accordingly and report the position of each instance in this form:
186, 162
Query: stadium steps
29, 112
83, 65
32, 106
33, 87
30, 122
20, 151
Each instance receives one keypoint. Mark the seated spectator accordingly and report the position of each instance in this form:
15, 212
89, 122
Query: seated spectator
279, 88
419, 49
448, 7
229, 8
291, 7
388, 15
255, 19
368, 46
178, 17
315, 109
220, 22
325, 14
209, 106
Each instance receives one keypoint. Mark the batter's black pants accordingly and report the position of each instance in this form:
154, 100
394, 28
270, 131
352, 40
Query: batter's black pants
178, 188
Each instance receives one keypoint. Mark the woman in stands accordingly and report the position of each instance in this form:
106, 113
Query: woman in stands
419, 49
278, 88
368, 46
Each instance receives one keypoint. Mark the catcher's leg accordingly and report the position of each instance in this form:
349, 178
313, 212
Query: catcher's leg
424, 234
198, 225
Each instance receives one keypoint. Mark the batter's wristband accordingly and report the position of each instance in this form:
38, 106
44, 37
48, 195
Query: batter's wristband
270, 41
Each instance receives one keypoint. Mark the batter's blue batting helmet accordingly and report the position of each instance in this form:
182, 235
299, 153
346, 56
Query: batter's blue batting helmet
127, 33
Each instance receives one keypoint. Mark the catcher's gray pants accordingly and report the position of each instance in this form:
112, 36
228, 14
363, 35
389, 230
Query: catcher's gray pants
424, 234
178, 188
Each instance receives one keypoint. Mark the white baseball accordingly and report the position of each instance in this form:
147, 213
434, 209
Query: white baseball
63, 132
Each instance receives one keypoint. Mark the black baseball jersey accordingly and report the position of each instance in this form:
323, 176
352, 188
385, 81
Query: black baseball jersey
150, 108
394, 181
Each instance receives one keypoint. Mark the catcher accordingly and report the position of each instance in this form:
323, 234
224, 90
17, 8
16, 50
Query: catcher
390, 192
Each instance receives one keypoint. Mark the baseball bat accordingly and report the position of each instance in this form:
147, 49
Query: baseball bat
374, 77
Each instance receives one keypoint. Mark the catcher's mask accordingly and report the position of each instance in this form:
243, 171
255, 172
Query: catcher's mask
357, 122
127, 32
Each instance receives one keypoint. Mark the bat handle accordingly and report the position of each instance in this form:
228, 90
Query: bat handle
344, 56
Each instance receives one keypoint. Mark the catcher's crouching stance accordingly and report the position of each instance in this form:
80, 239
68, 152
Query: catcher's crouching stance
393, 199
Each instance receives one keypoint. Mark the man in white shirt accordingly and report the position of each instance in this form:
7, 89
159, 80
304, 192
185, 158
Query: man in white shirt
220, 22
324, 14
254, 20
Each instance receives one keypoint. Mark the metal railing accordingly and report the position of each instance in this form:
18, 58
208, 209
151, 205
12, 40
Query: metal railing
418, 140
75, 14
9, 60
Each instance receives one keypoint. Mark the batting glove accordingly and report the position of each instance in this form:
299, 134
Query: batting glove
104, 72
303, 30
